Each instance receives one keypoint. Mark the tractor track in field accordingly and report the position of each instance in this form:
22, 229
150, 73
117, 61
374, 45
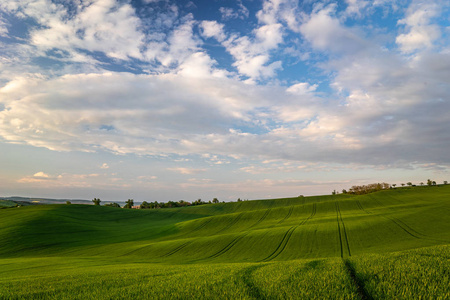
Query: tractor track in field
402, 225
201, 226
287, 236
358, 203
281, 245
357, 281
343, 238
228, 246
252, 289
313, 213
234, 221
288, 215
262, 218
173, 251
399, 223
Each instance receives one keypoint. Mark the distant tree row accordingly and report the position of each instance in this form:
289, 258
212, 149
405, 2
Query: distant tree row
366, 189
153, 205
375, 187
181, 203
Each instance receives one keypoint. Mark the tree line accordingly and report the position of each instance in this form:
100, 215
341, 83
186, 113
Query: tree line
375, 187
154, 205
366, 189
354, 190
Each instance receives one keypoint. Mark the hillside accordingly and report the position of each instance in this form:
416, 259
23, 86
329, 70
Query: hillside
322, 235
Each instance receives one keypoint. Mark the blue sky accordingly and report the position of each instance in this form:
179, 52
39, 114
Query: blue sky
162, 100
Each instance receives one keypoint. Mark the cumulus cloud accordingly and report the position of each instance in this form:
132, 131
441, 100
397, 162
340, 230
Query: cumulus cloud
37, 177
213, 29
325, 32
229, 13
3, 27
355, 7
280, 11
102, 25
301, 88
187, 171
420, 34
252, 55
377, 102
41, 175
67, 180
123, 112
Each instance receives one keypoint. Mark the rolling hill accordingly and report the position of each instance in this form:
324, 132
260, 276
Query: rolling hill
393, 243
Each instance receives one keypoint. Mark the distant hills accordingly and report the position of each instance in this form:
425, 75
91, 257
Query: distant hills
37, 201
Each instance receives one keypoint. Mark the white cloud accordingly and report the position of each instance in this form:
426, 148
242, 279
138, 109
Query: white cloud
104, 166
213, 29
420, 33
122, 112
190, 106
67, 180
281, 11
230, 13
301, 88
3, 28
325, 32
41, 175
355, 7
187, 171
252, 56
103, 25
37, 177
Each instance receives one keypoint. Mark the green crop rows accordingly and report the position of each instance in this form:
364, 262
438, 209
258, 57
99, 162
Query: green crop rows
393, 244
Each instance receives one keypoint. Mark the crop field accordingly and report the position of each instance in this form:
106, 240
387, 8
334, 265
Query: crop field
392, 244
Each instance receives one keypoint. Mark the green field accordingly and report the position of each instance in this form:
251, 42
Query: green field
392, 244
7, 203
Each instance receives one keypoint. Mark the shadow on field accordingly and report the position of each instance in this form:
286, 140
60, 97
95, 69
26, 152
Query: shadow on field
246, 276
357, 281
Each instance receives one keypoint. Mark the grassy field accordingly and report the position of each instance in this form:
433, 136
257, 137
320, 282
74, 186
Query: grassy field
393, 244
7, 204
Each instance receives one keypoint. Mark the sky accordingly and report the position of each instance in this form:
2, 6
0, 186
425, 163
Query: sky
162, 100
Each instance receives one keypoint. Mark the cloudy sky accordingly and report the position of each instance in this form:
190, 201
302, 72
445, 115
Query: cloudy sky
168, 100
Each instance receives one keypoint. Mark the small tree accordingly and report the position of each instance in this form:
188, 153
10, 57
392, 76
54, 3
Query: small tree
215, 200
96, 201
421, 183
394, 185
429, 182
68, 202
129, 203
409, 184
114, 204
402, 184
445, 182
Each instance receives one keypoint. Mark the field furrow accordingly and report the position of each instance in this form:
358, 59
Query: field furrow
287, 215
342, 233
262, 218
234, 221
177, 249
281, 245
228, 246
291, 248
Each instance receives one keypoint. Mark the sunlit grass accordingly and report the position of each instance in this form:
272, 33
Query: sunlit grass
389, 245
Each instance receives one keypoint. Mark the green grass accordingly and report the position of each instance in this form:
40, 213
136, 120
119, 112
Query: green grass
385, 245
7, 204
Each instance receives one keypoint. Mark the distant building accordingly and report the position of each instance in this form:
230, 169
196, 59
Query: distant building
136, 206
